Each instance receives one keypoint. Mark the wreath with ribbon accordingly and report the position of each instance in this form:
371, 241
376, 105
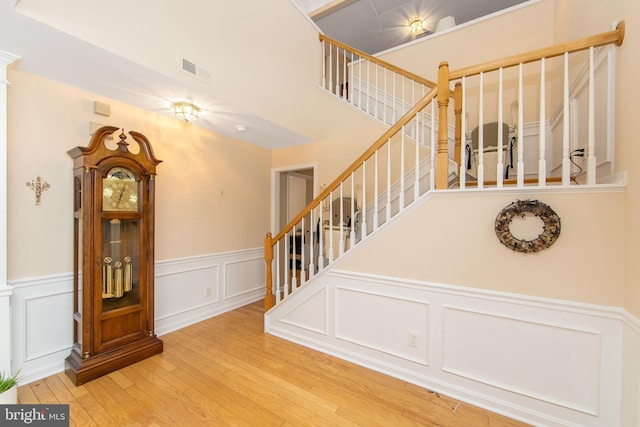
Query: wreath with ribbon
548, 236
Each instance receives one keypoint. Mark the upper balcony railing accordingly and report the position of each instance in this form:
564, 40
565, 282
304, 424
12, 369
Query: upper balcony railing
414, 155
370, 84
562, 94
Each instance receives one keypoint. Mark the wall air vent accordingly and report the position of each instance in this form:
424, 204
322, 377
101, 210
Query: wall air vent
195, 70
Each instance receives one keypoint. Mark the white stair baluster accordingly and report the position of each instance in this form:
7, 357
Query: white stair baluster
566, 163
341, 242
330, 227
360, 63
388, 207
293, 260
343, 93
500, 152
416, 172
350, 87
303, 275
402, 106
368, 97
591, 157
363, 227
352, 233
480, 170
520, 171
277, 269
384, 97
337, 71
321, 241
393, 99
375, 192
402, 172
432, 170
330, 68
463, 151
312, 245
542, 163
287, 257
324, 66
375, 105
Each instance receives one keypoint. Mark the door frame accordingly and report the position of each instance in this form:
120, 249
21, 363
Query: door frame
275, 188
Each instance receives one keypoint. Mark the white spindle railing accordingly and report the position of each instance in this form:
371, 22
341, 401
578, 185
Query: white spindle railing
352, 207
584, 71
368, 83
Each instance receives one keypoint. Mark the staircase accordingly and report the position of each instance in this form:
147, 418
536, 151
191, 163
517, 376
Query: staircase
400, 167
534, 360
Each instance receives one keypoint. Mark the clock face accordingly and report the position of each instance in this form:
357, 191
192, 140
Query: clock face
120, 190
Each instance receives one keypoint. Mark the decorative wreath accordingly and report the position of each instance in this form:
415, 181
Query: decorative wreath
521, 207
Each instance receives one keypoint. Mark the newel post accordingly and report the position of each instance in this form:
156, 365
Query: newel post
442, 158
269, 298
457, 108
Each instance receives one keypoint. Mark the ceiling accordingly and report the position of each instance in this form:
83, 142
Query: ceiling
369, 25
377, 25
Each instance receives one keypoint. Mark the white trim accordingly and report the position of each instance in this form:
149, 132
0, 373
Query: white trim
6, 335
275, 188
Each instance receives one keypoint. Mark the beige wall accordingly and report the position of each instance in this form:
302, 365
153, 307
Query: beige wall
353, 133
503, 35
580, 18
442, 242
212, 191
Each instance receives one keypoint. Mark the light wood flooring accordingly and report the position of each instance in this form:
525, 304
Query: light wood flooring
226, 371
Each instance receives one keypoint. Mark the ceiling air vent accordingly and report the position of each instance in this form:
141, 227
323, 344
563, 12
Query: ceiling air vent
195, 70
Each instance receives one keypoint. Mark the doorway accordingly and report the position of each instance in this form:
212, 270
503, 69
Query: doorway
293, 189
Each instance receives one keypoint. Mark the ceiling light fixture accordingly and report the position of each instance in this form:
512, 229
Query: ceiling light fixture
186, 111
415, 25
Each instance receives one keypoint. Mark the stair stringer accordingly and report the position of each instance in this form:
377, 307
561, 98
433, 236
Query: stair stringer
575, 381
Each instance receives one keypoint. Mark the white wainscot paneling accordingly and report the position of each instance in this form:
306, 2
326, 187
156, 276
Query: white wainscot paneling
194, 288
190, 290
244, 276
310, 315
42, 325
402, 331
43, 318
548, 362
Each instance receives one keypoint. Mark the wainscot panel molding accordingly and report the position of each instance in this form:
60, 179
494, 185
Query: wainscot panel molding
187, 291
543, 361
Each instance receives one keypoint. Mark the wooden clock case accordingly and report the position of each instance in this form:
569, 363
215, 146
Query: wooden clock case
113, 319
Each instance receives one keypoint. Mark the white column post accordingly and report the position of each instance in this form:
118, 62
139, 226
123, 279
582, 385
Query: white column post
5, 290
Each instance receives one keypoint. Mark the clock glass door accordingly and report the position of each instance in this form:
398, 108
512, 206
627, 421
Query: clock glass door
120, 263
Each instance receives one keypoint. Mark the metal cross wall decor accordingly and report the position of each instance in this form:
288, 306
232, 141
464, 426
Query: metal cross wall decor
38, 185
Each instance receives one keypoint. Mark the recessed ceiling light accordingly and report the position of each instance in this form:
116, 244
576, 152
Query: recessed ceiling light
415, 25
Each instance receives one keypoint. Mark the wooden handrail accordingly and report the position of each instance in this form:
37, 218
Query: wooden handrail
614, 36
395, 128
375, 60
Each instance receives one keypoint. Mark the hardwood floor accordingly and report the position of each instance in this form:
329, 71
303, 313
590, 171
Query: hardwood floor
226, 371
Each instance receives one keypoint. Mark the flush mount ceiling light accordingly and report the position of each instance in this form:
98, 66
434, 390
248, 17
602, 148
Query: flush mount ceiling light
186, 111
415, 25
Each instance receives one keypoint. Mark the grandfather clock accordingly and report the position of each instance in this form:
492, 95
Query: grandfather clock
113, 255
